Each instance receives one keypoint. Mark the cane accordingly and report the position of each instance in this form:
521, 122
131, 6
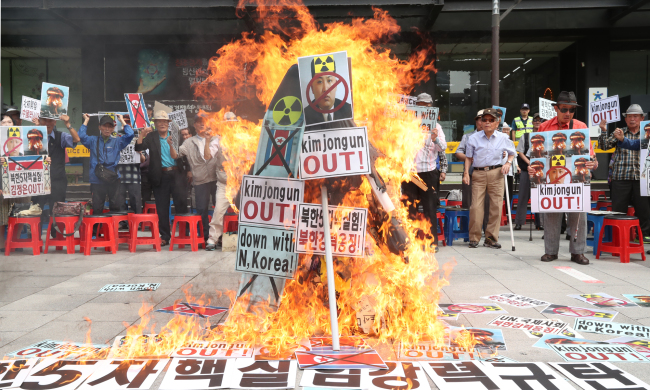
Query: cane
531, 227
512, 235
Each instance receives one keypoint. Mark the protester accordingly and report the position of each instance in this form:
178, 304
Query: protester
221, 202
200, 152
165, 177
524, 178
105, 150
14, 113
626, 183
185, 135
485, 152
522, 124
565, 108
131, 185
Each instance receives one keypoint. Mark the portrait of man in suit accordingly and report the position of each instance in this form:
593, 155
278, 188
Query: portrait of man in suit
325, 101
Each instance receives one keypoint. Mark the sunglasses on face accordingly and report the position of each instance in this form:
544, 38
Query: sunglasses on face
488, 120
571, 110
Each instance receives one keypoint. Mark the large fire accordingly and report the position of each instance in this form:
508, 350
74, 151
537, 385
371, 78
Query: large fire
399, 292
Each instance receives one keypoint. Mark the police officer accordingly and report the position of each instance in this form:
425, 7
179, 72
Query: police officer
522, 124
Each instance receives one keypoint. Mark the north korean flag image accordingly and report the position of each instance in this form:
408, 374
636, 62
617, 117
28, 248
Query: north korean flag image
280, 136
369, 359
192, 309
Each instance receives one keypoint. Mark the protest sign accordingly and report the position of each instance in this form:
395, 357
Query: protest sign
549, 339
125, 374
602, 300
608, 110
54, 100
214, 350
532, 324
639, 299
340, 360
53, 374
428, 117
34, 140
11, 139
644, 160
598, 352
137, 110
431, 351
580, 312
527, 375
30, 108
130, 287
612, 328
595, 95
344, 379
180, 118
14, 372
640, 345
128, 155
515, 300
501, 113
270, 201
59, 350
347, 230
189, 374
255, 374
78, 151
462, 376
546, 109
399, 105
331, 153
266, 251
193, 309
326, 88
599, 376
470, 308
560, 198
25, 176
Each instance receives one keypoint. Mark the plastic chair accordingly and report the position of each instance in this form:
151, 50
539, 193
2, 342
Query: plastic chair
230, 222
119, 216
604, 205
621, 245
456, 224
14, 240
145, 219
454, 203
441, 229
149, 207
194, 239
66, 224
595, 195
105, 223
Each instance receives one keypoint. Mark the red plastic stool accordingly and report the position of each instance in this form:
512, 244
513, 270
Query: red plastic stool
230, 222
149, 207
620, 244
596, 194
66, 224
145, 219
194, 239
119, 216
105, 223
13, 235
630, 211
455, 203
603, 204
442, 229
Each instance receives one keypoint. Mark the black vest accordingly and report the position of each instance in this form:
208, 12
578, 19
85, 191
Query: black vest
57, 154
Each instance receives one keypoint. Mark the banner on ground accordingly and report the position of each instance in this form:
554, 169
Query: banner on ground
598, 376
598, 352
527, 376
607, 109
546, 110
266, 251
53, 374
30, 108
14, 372
347, 230
270, 201
516, 300
214, 350
59, 350
536, 325
332, 153
612, 328
139, 374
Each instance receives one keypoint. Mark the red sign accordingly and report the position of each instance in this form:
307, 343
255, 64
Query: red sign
369, 359
192, 309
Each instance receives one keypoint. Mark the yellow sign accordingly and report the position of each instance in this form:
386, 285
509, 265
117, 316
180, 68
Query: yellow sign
78, 151
558, 161
594, 144
451, 147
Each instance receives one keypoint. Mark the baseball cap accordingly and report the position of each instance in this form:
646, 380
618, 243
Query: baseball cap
106, 119
525, 106
489, 111
424, 98
478, 114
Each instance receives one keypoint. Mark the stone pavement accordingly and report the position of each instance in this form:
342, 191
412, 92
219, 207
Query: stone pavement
48, 296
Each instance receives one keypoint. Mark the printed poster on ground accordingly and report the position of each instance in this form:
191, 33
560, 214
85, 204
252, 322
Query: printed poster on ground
54, 100
516, 300
548, 339
470, 308
640, 345
332, 153
598, 353
347, 230
59, 350
532, 324
30, 108
580, 312
598, 376
214, 350
139, 374
612, 328
639, 299
603, 300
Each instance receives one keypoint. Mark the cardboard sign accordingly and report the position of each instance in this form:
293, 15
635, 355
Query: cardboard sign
214, 350
607, 109
266, 251
25, 176
255, 374
462, 376
14, 372
532, 324
527, 375
137, 110
29, 108
639, 299
644, 160
128, 155
598, 352
599, 376
366, 359
326, 87
180, 118
270, 201
642, 346
347, 230
54, 100
612, 328
602, 300
580, 312
333, 153
516, 300
470, 308
191, 374
125, 374
546, 110
78, 151
559, 198
59, 350
130, 287
53, 374
345, 379
193, 309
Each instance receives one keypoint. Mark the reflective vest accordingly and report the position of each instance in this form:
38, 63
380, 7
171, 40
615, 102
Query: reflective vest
523, 127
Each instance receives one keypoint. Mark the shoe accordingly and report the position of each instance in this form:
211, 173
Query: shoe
491, 243
473, 244
580, 259
517, 227
123, 226
210, 247
568, 237
546, 258
437, 249
540, 228
164, 243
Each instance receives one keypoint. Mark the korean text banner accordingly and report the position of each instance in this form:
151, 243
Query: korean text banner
347, 230
25, 176
266, 251
29, 108
270, 201
331, 153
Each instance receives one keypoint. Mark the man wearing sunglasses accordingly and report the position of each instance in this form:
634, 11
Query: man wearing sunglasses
565, 108
485, 151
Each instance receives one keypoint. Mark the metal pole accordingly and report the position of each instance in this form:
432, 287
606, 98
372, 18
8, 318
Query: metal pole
512, 235
495, 52
331, 289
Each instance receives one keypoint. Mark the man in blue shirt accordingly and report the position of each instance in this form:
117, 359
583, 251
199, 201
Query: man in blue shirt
105, 149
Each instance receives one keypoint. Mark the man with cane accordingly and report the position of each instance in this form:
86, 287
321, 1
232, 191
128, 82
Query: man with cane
485, 151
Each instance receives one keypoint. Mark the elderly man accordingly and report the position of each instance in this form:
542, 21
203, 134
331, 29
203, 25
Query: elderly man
485, 152
164, 175
565, 108
626, 183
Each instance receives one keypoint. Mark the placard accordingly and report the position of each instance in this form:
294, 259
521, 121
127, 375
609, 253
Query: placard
595, 95
428, 117
59, 350
137, 111
14, 372
193, 309
268, 374
30, 108
580, 312
560, 198
130, 287
599, 376
607, 109
347, 230
598, 352
501, 114
644, 161
25, 176
54, 100
536, 325
462, 376
180, 118
470, 308
612, 328
53, 374
527, 375
128, 155
603, 300
191, 374
266, 251
270, 201
333, 153
214, 350
546, 109
516, 300
125, 374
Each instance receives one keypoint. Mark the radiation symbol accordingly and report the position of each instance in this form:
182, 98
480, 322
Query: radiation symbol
14, 132
558, 161
287, 111
324, 64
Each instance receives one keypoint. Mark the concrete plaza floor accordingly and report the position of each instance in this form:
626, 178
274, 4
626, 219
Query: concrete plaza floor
48, 296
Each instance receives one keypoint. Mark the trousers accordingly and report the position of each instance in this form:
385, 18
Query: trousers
132, 192
491, 183
202, 194
552, 223
628, 192
220, 208
172, 183
100, 191
467, 201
